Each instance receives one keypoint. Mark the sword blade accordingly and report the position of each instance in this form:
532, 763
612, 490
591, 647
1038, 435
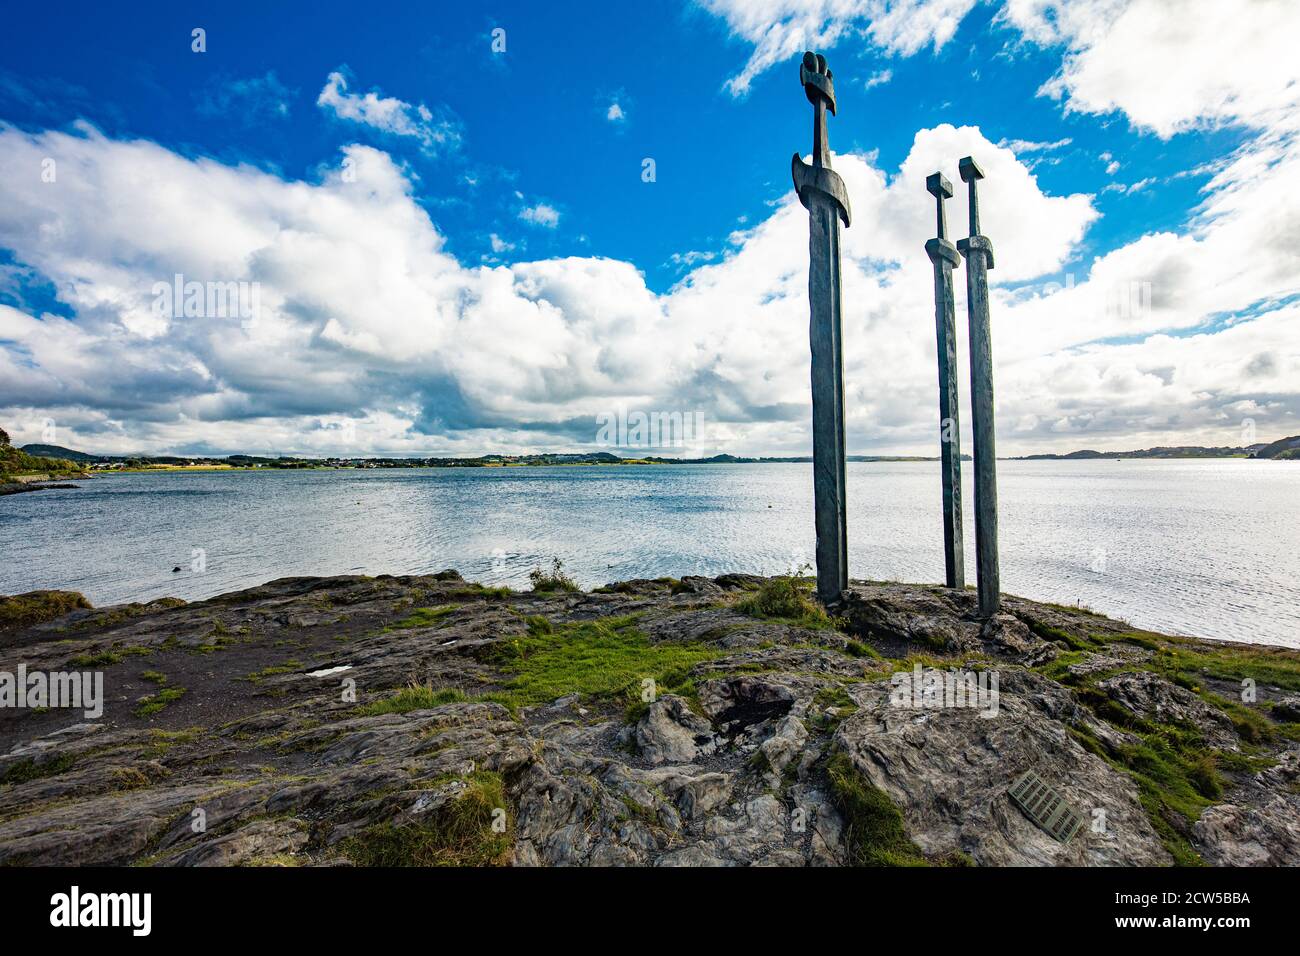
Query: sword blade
825, 339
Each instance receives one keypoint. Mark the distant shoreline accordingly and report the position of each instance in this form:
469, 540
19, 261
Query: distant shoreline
422, 466
1283, 449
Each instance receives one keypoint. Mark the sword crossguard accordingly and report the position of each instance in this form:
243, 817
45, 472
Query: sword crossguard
938, 249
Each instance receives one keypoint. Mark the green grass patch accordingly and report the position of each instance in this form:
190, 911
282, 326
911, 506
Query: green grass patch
1251, 725
1074, 642
95, 659
108, 657
159, 701
288, 667
26, 770
37, 607
154, 677
628, 587
1264, 665
858, 649
473, 590
1078, 610
161, 742
415, 697
1177, 776
423, 617
873, 826
607, 658
831, 706
275, 860
461, 832
1176, 781
1238, 762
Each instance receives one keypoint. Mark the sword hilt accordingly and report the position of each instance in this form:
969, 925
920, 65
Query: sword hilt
819, 87
938, 186
971, 173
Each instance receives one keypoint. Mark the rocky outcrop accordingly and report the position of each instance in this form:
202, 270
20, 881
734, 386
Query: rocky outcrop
948, 770
1152, 697
670, 733
358, 720
919, 618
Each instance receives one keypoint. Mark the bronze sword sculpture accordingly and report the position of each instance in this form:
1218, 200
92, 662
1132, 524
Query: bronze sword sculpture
822, 192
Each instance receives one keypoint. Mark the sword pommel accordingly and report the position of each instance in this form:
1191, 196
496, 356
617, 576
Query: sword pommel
937, 185
969, 169
818, 81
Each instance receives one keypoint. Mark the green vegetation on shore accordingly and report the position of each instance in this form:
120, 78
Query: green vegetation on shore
553, 580
606, 658
15, 462
788, 599
37, 607
415, 697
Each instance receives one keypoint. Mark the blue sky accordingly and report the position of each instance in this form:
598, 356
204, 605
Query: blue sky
527, 164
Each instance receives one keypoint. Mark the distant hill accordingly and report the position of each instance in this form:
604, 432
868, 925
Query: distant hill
58, 451
16, 461
1282, 449
1160, 451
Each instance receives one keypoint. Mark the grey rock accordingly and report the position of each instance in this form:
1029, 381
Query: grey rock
698, 796
1154, 698
670, 732
785, 746
747, 699
1263, 835
1288, 708
949, 771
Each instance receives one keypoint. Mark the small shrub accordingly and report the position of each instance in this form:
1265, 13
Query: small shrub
787, 598
553, 580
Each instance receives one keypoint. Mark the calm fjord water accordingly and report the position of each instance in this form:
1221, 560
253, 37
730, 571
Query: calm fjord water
1208, 547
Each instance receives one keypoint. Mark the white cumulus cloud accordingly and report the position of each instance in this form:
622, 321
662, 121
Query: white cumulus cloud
389, 114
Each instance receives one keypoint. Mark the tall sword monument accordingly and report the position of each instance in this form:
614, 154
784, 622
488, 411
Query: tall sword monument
945, 257
978, 252
822, 192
